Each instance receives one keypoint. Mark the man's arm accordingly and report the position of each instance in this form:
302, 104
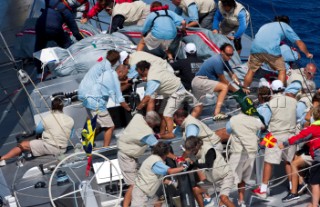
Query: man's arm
193, 15
71, 23
216, 20
303, 48
223, 79
242, 24
152, 86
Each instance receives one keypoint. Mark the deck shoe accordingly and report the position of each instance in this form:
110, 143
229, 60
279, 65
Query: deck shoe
241, 204
290, 197
220, 116
302, 188
260, 194
2, 162
207, 201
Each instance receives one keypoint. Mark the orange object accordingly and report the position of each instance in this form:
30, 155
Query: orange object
269, 141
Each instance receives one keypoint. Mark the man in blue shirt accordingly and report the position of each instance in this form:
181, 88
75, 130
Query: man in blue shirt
266, 49
159, 29
210, 78
232, 17
100, 83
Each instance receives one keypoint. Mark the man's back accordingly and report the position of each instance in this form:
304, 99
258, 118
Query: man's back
268, 38
212, 67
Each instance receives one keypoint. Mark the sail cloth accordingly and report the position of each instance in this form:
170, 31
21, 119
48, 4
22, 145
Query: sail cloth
82, 55
26, 38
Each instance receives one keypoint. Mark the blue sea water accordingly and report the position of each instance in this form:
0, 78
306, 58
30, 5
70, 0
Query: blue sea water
304, 19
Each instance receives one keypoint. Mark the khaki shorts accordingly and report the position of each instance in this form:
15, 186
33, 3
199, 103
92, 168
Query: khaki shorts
153, 43
104, 119
39, 147
140, 199
176, 99
128, 167
242, 166
226, 184
201, 85
275, 155
275, 62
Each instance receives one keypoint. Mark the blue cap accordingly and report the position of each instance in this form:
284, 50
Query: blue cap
294, 87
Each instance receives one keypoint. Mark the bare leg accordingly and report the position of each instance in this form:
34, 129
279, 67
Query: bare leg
241, 190
297, 163
151, 105
169, 124
163, 125
141, 44
315, 195
107, 136
223, 90
25, 145
267, 170
127, 197
282, 77
288, 171
226, 201
248, 78
197, 192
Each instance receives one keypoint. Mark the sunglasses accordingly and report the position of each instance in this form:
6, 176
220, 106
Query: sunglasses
229, 55
310, 73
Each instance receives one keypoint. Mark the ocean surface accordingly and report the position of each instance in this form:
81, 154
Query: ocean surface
304, 19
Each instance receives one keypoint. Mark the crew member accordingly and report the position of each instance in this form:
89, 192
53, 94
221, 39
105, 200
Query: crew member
199, 12
231, 19
266, 49
98, 85
56, 129
160, 29
49, 27
167, 84
132, 143
210, 78
149, 176
221, 174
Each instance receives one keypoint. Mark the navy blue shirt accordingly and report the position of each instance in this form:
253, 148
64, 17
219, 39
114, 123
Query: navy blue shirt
55, 14
213, 67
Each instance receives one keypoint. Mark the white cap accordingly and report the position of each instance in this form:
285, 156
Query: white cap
277, 85
123, 56
263, 82
190, 48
